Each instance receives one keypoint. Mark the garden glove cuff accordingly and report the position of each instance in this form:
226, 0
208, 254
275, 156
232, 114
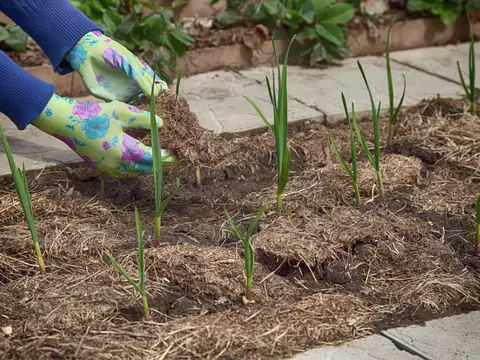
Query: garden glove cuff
110, 71
94, 131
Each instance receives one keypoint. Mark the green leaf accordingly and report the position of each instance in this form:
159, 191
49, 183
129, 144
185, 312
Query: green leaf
4, 34
321, 6
259, 112
156, 154
141, 255
272, 6
123, 272
125, 28
338, 14
339, 156
167, 200
229, 17
17, 40
255, 221
177, 85
323, 32
234, 226
307, 33
308, 12
182, 35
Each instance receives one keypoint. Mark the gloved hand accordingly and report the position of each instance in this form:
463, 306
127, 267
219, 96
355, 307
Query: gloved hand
94, 131
110, 71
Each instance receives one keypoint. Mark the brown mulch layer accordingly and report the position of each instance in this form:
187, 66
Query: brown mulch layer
326, 271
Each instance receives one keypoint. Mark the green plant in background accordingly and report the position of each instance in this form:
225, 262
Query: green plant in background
320, 25
140, 288
447, 10
247, 246
21, 185
375, 158
352, 174
477, 237
158, 171
153, 36
393, 112
13, 37
470, 90
280, 122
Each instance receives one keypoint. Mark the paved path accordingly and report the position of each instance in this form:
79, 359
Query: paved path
452, 338
217, 98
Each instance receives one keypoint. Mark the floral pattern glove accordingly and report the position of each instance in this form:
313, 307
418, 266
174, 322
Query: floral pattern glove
110, 71
94, 131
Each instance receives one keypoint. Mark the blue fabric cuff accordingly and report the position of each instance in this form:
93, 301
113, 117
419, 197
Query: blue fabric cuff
22, 96
55, 25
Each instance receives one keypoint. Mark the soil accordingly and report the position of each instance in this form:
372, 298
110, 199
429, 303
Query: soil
326, 270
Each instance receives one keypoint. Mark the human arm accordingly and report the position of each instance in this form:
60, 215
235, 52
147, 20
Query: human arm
93, 130
55, 25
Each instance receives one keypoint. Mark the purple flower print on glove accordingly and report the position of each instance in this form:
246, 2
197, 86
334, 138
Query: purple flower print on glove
134, 109
106, 145
69, 142
89, 162
86, 110
131, 152
113, 58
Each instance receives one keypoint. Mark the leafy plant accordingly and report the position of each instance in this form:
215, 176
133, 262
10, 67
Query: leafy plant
140, 288
247, 246
477, 237
153, 36
320, 25
447, 10
470, 90
375, 158
13, 37
158, 170
393, 112
280, 122
21, 185
352, 174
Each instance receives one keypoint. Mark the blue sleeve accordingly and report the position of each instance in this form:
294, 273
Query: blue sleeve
22, 96
55, 25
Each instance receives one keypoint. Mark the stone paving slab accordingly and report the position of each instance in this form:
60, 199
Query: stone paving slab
32, 147
217, 99
321, 88
441, 60
452, 338
374, 347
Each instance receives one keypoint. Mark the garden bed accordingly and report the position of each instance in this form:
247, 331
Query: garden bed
245, 47
325, 272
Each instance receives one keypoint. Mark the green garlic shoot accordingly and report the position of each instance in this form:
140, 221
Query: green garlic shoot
140, 288
21, 185
375, 158
393, 112
470, 92
280, 122
352, 174
247, 245
158, 160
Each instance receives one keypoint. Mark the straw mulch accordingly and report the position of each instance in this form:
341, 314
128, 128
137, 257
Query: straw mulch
326, 271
